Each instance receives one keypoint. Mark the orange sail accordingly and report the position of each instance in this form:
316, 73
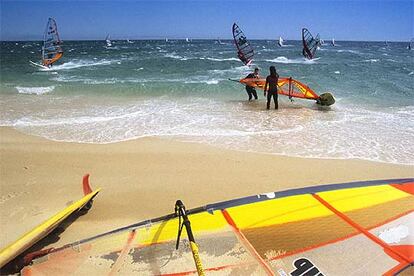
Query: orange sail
286, 86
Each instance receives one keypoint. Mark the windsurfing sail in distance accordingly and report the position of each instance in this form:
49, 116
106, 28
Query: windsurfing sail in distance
108, 41
51, 49
244, 50
333, 42
410, 44
310, 44
280, 42
357, 228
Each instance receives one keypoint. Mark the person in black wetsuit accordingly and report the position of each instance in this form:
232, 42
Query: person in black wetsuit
251, 91
271, 87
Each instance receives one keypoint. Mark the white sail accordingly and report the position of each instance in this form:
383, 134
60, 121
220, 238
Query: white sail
108, 41
187, 40
333, 42
280, 42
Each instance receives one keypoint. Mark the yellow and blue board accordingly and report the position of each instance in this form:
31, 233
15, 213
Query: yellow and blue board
359, 228
13, 250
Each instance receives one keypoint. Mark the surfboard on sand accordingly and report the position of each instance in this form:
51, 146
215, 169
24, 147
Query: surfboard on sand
14, 249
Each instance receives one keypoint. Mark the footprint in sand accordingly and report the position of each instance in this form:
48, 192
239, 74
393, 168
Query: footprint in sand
10, 196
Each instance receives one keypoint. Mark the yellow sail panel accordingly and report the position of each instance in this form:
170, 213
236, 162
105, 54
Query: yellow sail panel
286, 86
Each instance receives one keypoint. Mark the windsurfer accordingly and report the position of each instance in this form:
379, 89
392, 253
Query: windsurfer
251, 91
271, 83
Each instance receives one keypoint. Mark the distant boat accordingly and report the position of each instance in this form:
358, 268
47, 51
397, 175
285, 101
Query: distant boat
322, 42
108, 41
129, 41
219, 41
187, 40
410, 44
333, 42
166, 39
280, 42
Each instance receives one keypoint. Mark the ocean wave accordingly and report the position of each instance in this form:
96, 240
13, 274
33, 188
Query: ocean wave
175, 56
213, 81
348, 51
220, 59
288, 61
78, 64
35, 90
371, 60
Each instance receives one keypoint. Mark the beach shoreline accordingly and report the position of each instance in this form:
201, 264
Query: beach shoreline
141, 179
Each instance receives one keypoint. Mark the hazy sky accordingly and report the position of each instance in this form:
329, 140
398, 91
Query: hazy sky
342, 20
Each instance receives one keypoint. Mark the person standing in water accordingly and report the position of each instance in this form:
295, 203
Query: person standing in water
251, 91
271, 87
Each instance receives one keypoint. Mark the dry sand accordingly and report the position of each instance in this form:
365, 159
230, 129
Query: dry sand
142, 179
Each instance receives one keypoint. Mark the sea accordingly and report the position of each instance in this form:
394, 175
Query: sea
181, 90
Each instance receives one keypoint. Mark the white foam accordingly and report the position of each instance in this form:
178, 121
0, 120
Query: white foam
210, 81
337, 72
221, 59
35, 90
78, 64
371, 60
348, 51
285, 60
175, 56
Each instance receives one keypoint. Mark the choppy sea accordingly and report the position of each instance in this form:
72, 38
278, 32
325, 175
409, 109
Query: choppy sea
180, 90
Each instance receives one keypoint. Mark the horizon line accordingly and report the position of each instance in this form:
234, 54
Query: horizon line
184, 38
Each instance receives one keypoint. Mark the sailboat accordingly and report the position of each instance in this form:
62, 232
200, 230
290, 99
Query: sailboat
108, 41
410, 44
187, 40
51, 49
129, 41
280, 42
333, 42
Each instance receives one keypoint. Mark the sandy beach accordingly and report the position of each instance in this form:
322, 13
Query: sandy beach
142, 179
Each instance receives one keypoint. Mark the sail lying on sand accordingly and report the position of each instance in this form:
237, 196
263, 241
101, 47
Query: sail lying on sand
358, 228
51, 49
244, 49
310, 44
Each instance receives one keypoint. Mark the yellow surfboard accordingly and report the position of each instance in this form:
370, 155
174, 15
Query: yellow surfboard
14, 249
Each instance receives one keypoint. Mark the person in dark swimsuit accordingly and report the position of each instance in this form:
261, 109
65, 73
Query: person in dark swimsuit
271, 87
251, 91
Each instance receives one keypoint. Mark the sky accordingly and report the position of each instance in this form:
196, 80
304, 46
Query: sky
366, 20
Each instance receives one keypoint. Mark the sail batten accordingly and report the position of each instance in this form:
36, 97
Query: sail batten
51, 49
